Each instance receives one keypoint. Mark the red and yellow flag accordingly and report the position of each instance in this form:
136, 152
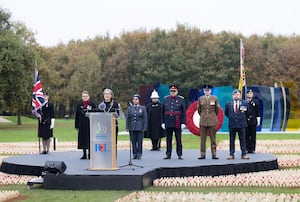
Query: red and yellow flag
242, 81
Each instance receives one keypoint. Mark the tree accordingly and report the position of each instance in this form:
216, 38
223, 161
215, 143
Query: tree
16, 62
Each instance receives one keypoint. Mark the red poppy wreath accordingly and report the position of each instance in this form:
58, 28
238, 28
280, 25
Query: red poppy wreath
193, 118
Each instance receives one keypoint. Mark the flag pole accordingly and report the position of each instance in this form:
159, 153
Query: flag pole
37, 101
39, 139
242, 81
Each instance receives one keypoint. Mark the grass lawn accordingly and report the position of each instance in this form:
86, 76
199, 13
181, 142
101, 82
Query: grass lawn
38, 194
64, 131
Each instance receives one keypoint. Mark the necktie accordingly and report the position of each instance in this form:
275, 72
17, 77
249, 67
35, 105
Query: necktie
236, 107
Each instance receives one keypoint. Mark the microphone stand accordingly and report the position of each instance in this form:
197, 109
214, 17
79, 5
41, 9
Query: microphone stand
130, 160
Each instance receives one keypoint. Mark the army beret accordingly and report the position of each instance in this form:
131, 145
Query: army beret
236, 91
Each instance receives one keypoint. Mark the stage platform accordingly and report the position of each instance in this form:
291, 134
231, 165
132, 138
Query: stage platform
78, 177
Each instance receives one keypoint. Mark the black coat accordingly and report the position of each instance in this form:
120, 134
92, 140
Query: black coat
111, 107
154, 130
47, 113
82, 123
254, 112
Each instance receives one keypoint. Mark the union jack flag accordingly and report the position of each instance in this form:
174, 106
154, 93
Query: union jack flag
38, 100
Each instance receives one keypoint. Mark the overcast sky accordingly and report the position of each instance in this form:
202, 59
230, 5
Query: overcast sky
59, 21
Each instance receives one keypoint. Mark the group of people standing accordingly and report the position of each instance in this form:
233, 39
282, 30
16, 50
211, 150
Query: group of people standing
157, 120
82, 123
243, 118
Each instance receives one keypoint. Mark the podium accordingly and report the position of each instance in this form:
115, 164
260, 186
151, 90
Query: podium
102, 141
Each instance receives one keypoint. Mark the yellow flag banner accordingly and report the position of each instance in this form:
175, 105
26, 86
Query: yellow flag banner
242, 81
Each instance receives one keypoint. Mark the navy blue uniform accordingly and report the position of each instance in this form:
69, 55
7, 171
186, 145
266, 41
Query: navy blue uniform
252, 123
173, 115
237, 124
136, 123
47, 113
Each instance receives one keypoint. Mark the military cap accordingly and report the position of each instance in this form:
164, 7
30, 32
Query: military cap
207, 86
173, 87
136, 96
249, 90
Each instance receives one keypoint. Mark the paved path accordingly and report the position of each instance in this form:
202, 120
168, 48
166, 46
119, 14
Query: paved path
3, 120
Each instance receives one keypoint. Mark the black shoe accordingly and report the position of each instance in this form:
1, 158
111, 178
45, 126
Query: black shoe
214, 157
89, 157
44, 152
201, 157
135, 157
167, 157
83, 157
138, 158
180, 157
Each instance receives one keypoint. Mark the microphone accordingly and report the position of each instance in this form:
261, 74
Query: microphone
102, 106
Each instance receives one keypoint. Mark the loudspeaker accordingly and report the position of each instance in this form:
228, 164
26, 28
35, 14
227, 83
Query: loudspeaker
55, 167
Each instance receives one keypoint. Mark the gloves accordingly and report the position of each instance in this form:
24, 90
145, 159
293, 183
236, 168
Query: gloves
163, 126
52, 123
258, 121
182, 126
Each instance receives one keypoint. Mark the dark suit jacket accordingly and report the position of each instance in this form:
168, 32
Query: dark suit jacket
239, 119
254, 112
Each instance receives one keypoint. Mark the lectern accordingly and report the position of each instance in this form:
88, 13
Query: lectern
102, 141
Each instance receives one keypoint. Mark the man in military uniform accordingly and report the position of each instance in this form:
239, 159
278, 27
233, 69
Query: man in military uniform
173, 120
253, 121
208, 108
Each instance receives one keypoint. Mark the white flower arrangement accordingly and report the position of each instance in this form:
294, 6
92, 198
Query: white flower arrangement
8, 179
269, 146
142, 196
33, 147
274, 178
8, 195
288, 161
